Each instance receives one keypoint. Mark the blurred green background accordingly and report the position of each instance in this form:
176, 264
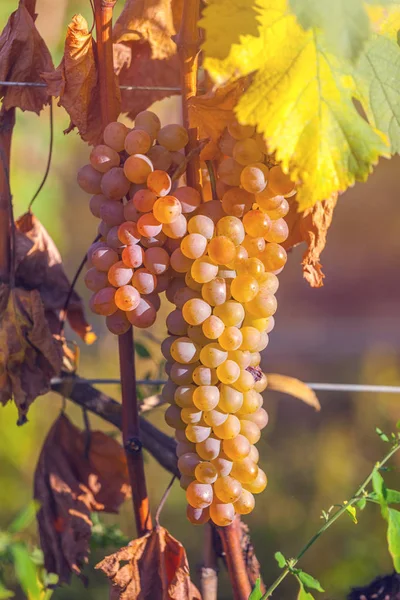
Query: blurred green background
348, 331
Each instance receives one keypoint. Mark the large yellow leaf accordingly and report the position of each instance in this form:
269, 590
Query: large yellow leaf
300, 99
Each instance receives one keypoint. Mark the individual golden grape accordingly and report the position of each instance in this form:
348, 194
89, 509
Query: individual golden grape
177, 229
204, 270
254, 454
244, 288
148, 226
256, 223
137, 168
262, 305
227, 489
215, 291
280, 211
244, 470
114, 135
240, 132
183, 395
236, 202
194, 245
237, 448
197, 516
246, 152
240, 255
201, 224
250, 430
228, 372
252, 402
230, 400
244, 382
231, 313
144, 315
213, 327
187, 463
204, 376
103, 302
258, 485
167, 209
159, 182
196, 311
148, 121
191, 415
245, 503
119, 274
221, 250
229, 429
199, 495
222, 513
206, 472
189, 198
103, 158
279, 182
173, 137
206, 397
160, 157
144, 281
231, 338
209, 449
212, 355
278, 232
259, 417
242, 357
251, 338
255, 359
184, 350
127, 298
222, 464
138, 141
229, 171
198, 432
254, 177
268, 282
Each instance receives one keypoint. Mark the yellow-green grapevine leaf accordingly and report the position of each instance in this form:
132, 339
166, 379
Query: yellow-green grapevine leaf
377, 74
352, 512
25, 571
280, 559
256, 593
303, 594
301, 100
344, 23
309, 581
393, 537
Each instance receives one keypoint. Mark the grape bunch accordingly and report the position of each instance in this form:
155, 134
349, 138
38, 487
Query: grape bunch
217, 262
130, 179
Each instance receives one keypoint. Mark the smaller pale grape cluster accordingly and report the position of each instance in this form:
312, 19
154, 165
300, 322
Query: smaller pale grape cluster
224, 296
130, 179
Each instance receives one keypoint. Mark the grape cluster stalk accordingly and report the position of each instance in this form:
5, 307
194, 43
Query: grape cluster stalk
217, 262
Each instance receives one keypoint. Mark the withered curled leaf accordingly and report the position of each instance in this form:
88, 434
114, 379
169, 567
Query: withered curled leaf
294, 387
29, 354
152, 566
310, 226
39, 266
70, 484
75, 82
23, 57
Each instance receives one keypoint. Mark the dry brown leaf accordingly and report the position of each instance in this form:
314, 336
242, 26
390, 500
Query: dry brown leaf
69, 486
39, 266
136, 67
154, 566
23, 57
149, 21
310, 226
29, 355
294, 387
212, 111
75, 82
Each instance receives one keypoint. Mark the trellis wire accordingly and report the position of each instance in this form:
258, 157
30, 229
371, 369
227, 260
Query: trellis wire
331, 387
143, 88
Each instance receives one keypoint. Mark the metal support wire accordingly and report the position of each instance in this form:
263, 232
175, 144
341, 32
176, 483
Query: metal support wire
143, 88
329, 387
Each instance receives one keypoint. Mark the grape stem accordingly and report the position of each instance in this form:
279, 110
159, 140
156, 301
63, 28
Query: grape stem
230, 538
213, 181
359, 494
103, 10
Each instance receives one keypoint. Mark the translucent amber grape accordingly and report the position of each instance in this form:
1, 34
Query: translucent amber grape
177, 229
138, 141
259, 417
268, 200
196, 311
201, 224
240, 132
254, 454
228, 372
209, 449
244, 470
127, 298
268, 282
223, 465
206, 472
222, 514
231, 227
137, 168
197, 516
230, 400
251, 338
144, 315
197, 433
240, 255
227, 489
250, 430
206, 397
254, 177
279, 182
213, 327
114, 135
144, 281
204, 376
252, 401
259, 484
245, 503
247, 151
204, 270
236, 202
167, 209
221, 250
262, 305
183, 395
148, 225
103, 158
184, 350
187, 463
173, 137
215, 417
119, 274
214, 292
189, 198
229, 429
231, 338
117, 323
244, 288
199, 495
242, 357
279, 212
245, 381
191, 414
212, 355
278, 232
253, 246
231, 313
237, 448
194, 245
256, 223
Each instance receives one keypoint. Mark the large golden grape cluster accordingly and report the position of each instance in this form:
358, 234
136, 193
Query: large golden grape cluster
217, 262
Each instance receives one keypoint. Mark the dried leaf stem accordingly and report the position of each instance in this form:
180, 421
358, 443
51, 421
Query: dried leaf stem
130, 414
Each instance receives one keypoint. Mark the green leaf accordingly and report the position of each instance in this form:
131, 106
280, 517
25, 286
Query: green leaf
393, 537
25, 571
256, 593
377, 75
141, 350
5, 593
352, 512
309, 581
392, 497
379, 487
25, 517
344, 23
382, 435
280, 559
303, 594
362, 503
